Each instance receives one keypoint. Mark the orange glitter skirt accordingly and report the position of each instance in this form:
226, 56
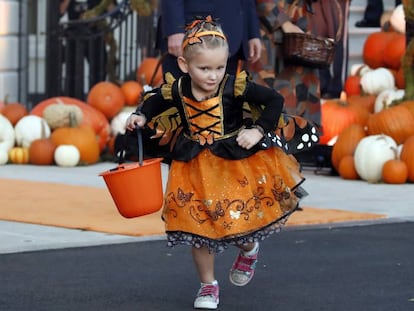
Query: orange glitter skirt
213, 202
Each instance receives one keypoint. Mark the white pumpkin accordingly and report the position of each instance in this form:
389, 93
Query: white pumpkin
29, 128
370, 155
397, 19
67, 155
359, 69
6, 134
386, 97
4, 157
119, 121
375, 81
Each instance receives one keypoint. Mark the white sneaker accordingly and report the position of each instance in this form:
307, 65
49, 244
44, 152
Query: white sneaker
207, 296
242, 271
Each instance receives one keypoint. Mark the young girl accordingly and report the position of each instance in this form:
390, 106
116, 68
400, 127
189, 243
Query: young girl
229, 183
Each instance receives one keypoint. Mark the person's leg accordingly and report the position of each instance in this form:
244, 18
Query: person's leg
248, 247
374, 10
372, 14
243, 267
208, 294
204, 262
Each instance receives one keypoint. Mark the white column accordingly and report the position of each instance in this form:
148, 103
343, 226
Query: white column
13, 55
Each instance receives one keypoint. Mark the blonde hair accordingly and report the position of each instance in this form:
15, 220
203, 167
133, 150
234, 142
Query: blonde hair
203, 34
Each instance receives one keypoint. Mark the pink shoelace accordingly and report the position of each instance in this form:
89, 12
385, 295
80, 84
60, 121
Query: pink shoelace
209, 290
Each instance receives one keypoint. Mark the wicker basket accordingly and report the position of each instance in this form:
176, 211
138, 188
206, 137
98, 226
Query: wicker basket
308, 50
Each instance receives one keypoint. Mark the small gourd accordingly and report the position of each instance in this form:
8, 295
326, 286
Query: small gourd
67, 156
19, 155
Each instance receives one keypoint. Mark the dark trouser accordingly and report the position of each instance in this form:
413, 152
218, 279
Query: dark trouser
374, 10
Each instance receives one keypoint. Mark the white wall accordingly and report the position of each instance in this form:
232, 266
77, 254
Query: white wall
9, 49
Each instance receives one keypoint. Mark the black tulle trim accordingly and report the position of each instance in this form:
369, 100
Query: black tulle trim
185, 238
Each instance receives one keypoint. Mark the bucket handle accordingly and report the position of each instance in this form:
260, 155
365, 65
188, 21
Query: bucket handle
140, 146
121, 157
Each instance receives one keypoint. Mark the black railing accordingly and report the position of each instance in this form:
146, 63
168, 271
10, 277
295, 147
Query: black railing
80, 53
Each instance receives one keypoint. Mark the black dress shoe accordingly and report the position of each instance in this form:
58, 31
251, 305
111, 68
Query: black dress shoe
364, 23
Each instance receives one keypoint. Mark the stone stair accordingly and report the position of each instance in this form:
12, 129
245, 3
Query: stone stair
357, 36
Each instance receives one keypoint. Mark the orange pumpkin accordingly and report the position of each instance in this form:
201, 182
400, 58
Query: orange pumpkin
346, 143
91, 116
82, 137
394, 172
394, 51
14, 112
41, 151
346, 168
132, 91
374, 47
352, 85
336, 115
396, 122
407, 155
410, 105
363, 101
107, 97
146, 72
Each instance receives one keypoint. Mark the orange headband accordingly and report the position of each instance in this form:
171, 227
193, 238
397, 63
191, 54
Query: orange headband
195, 38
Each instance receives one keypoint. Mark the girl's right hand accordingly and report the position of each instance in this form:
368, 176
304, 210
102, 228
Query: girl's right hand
135, 120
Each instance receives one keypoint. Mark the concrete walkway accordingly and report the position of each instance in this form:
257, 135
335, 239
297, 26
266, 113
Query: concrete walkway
326, 191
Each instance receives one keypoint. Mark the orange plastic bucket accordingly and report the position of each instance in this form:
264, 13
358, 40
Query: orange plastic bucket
136, 188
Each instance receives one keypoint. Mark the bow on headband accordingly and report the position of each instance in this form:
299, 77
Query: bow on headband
196, 31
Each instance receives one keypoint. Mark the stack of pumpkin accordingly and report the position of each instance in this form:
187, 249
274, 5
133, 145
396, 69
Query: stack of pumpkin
372, 128
67, 131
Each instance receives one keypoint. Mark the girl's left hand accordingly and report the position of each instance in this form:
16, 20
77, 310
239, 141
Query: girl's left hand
247, 138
